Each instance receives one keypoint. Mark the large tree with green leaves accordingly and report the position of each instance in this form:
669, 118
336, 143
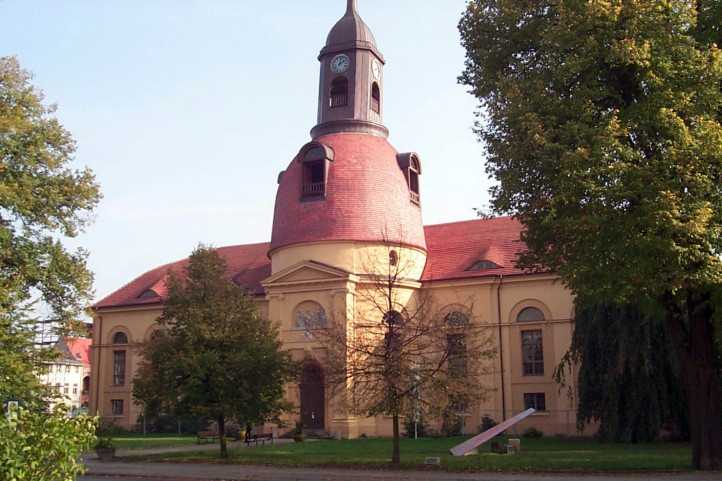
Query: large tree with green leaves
214, 355
628, 379
602, 124
43, 201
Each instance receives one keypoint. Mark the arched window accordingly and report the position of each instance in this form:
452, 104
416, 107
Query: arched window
411, 167
530, 314
393, 258
376, 98
456, 343
339, 92
120, 338
310, 315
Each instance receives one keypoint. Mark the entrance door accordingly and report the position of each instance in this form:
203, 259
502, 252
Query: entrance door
313, 410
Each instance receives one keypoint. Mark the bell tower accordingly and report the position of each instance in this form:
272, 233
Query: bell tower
351, 82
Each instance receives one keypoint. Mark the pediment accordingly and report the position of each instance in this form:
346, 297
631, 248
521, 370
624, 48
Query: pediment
307, 272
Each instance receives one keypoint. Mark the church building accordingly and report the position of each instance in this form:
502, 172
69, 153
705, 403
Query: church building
346, 197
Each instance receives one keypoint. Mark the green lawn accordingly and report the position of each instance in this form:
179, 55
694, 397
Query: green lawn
549, 454
138, 441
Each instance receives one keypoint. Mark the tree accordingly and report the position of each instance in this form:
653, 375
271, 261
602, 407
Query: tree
213, 356
40, 446
43, 201
628, 379
602, 125
399, 355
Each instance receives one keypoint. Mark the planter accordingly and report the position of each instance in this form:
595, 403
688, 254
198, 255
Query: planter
105, 454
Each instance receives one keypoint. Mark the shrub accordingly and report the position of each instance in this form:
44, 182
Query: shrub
487, 423
39, 446
452, 424
533, 433
410, 427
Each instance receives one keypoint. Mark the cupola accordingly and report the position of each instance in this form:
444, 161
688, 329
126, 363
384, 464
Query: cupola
351, 80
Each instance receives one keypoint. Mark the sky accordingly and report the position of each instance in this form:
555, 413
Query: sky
187, 110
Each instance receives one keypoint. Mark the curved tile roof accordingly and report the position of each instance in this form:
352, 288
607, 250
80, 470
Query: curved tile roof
367, 198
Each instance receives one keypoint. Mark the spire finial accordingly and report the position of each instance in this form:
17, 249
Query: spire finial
350, 6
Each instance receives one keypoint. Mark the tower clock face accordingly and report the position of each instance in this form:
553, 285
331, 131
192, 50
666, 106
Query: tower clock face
340, 63
376, 69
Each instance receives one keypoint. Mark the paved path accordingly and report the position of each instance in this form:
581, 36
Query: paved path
208, 472
188, 448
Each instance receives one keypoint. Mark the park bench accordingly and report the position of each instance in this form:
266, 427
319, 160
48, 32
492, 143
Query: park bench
259, 438
211, 436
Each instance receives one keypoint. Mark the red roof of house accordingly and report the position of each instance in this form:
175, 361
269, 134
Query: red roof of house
367, 198
455, 247
79, 348
452, 249
248, 265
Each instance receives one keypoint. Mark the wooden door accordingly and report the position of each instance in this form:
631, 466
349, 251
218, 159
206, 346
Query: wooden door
313, 396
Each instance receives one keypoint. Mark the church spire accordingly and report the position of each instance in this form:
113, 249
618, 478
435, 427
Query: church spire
351, 83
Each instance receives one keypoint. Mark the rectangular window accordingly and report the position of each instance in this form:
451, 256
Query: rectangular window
532, 352
116, 407
75, 389
65, 389
535, 400
67, 368
118, 368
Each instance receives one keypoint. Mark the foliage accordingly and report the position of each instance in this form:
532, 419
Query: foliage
416, 427
627, 379
42, 199
532, 433
403, 355
44, 446
486, 423
602, 126
213, 356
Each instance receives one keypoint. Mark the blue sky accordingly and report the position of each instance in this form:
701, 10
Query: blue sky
186, 110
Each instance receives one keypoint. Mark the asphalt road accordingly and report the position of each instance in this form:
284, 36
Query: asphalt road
195, 472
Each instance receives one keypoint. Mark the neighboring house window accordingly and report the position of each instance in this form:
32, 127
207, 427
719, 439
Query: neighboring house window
116, 407
535, 400
75, 389
118, 368
120, 338
530, 314
66, 389
86, 384
532, 351
67, 368
339, 92
310, 315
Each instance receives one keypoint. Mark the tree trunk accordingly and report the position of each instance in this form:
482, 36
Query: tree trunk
396, 455
222, 436
694, 338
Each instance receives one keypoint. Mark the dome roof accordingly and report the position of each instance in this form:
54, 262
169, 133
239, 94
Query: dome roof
367, 198
350, 32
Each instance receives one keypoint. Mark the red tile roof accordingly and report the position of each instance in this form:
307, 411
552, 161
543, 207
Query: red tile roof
79, 348
452, 249
367, 198
455, 247
248, 265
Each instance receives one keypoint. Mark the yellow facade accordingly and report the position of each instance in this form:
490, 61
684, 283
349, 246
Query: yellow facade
332, 275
